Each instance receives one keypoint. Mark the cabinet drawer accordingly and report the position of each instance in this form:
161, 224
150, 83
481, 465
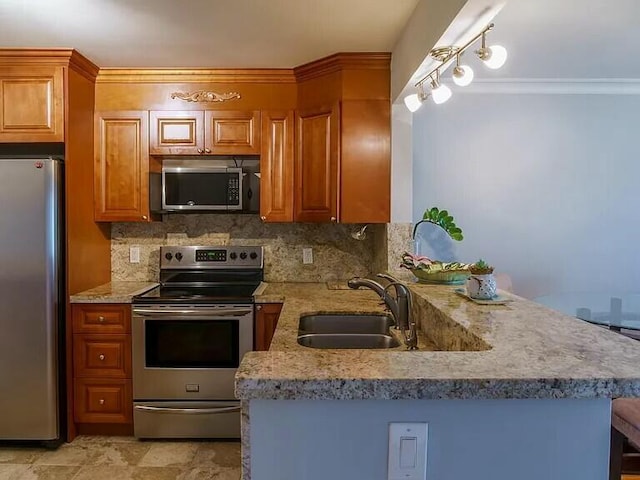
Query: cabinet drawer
101, 318
103, 401
102, 356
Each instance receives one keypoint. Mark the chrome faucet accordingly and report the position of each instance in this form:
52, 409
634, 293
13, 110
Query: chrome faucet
389, 301
400, 305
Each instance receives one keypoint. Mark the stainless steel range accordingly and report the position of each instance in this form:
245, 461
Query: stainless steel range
189, 335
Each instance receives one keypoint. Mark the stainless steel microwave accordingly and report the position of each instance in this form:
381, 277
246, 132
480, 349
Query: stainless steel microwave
196, 186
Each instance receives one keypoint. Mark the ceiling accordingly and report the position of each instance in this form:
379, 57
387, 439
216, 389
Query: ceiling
204, 33
568, 39
559, 39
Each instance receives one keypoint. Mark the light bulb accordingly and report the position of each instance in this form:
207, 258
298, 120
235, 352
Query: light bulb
462, 75
441, 94
412, 102
497, 56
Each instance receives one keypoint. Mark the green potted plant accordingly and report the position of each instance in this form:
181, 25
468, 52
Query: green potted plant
427, 270
481, 284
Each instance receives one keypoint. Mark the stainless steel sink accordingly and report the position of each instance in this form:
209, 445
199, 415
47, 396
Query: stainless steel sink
347, 340
346, 331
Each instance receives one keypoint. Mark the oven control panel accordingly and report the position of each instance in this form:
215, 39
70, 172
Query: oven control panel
211, 257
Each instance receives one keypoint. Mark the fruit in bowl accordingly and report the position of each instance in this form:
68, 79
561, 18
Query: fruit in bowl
435, 271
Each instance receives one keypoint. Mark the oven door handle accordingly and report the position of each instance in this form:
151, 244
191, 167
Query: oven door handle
191, 411
196, 313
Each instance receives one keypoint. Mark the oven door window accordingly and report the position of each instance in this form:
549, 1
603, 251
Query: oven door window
192, 343
193, 190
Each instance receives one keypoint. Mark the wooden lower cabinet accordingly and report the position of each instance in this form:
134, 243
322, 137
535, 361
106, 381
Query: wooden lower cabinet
102, 364
267, 315
103, 400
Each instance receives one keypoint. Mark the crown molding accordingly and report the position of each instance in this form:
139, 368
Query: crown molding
552, 86
343, 61
195, 75
50, 56
83, 66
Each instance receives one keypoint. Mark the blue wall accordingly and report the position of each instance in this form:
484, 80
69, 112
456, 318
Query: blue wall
545, 187
525, 439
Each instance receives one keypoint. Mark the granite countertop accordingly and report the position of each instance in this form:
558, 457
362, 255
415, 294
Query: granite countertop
113, 292
295, 297
518, 350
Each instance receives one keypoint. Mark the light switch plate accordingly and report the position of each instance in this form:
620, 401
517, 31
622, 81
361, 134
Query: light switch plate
307, 256
408, 451
134, 254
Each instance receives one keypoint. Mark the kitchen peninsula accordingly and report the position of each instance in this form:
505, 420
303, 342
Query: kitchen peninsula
513, 388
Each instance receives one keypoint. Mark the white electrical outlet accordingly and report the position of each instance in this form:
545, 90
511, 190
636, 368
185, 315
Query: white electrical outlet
134, 254
407, 451
307, 256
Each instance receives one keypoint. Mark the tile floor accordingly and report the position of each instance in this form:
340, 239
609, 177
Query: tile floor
123, 458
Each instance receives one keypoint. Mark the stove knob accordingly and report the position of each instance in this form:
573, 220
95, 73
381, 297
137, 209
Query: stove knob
168, 256
178, 256
253, 255
233, 255
243, 255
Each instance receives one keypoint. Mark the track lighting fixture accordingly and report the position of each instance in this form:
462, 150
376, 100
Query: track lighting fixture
414, 101
493, 57
462, 74
439, 92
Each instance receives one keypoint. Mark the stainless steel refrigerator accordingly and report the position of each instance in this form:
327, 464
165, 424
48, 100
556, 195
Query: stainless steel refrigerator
31, 298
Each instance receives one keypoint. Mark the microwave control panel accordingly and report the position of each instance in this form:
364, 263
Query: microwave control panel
233, 192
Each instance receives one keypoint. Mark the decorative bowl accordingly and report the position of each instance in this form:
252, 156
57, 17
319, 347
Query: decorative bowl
443, 277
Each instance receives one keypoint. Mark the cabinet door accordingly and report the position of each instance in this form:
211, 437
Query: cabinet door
31, 104
232, 133
276, 167
317, 163
365, 161
176, 133
103, 400
121, 186
102, 356
266, 321
101, 318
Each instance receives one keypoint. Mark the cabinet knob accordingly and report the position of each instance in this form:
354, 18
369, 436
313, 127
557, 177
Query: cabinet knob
206, 150
101, 356
334, 219
144, 217
200, 151
263, 218
101, 319
259, 307
101, 401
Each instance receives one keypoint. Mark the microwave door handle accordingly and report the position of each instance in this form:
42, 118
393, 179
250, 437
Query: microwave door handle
195, 313
191, 411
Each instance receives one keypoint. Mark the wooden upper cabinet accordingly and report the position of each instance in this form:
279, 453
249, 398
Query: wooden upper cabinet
176, 133
276, 167
121, 173
207, 132
31, 104
365, 161
232, 133
317, 164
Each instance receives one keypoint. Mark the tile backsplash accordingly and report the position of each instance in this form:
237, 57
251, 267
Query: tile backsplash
336, 255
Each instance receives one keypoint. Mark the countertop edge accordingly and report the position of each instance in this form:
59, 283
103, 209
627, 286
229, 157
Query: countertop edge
112, 292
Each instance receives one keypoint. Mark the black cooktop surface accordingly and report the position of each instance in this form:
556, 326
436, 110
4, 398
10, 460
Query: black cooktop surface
209, 294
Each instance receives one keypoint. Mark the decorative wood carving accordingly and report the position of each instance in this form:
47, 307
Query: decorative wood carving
205, 96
